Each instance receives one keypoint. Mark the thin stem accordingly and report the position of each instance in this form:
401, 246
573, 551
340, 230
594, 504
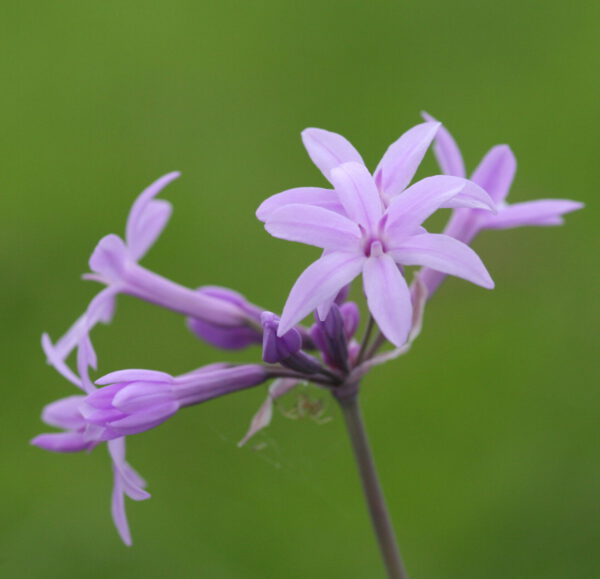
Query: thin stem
377, 343
365, 340
380, 516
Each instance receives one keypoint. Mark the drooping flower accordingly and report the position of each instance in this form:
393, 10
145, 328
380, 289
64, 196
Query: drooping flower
133, 401
66, 414
495, 174
220, 317
130, 402
374, 240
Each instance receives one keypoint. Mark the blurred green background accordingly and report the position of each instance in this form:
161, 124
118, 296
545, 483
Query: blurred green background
486, 434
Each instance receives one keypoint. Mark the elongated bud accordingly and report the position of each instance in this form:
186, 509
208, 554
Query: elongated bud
333, 334
232, 337
330, 335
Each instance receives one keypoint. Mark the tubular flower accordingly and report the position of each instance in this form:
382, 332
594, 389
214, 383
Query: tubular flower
219, 316
495, 174
133, 401
373, 239
66, 414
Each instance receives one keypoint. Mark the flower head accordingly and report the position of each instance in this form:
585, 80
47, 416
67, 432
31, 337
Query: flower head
376, 230
66, 414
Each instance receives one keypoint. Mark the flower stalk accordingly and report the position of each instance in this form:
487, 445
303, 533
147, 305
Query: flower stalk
380, 517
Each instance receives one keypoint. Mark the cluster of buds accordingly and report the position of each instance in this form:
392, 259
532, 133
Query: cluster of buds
368, 224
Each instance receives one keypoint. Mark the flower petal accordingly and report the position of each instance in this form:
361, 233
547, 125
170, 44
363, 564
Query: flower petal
132, 482
318, 282
142, 396
63, 442
64, 413
326, 198
408, 210
328, 150
388, 298
542, 212
445, 254
314, 226
118, 508
142, 421
402, 159
496, 172
148, 217
134, 376
358, 194
109, 258
446, 151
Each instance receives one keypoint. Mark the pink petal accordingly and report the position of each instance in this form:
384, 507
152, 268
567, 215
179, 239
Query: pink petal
118, 508
150, 225
388, 298
109, 258
64, 413
496, 172
318, 282
147, 217
142, 396
358, 194
145, 420
314, 226
328, 150
134, 376
132, 483
402, 159
446, 151
326, 198
408, 210
54, 356
542, 212
445, 254
62, 442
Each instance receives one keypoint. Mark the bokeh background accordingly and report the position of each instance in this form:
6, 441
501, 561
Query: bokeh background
486, 434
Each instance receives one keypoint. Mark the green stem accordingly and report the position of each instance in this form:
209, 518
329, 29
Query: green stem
380, 516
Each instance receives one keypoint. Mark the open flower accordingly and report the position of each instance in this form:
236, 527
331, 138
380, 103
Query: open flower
495, 174
66, 414
394, 172
374, 240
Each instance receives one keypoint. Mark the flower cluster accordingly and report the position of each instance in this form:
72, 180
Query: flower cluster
367, 224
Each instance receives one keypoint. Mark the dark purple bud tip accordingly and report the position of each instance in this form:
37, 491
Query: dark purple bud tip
276, 349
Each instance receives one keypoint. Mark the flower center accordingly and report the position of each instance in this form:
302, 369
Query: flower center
374, 248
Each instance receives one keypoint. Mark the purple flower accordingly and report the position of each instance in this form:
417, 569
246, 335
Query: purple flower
66, 414
219, 318
133, 401
495, 174
130, 402
393, 173
374, 239
146, 220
